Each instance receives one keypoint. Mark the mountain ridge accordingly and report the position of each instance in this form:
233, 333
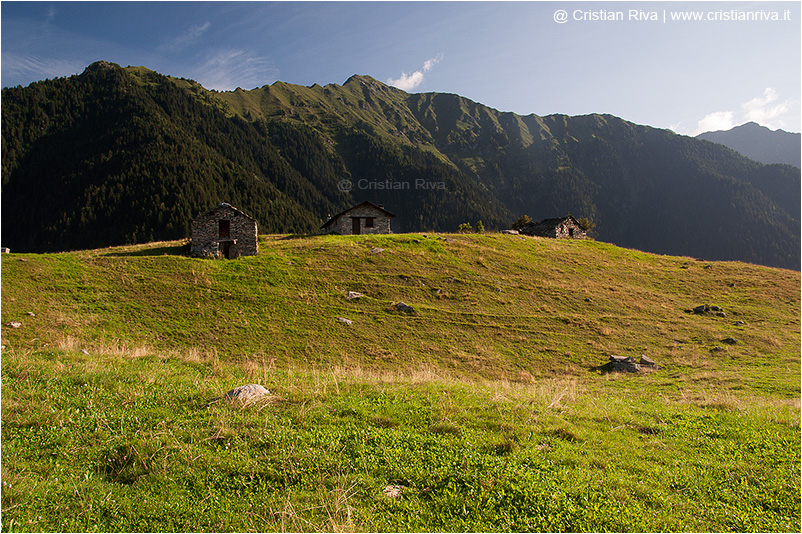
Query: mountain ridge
148, 152
760, 143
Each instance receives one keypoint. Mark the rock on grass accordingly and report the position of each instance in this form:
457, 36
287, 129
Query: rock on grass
247, 394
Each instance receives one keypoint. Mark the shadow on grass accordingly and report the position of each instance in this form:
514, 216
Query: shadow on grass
602, 369
168, 250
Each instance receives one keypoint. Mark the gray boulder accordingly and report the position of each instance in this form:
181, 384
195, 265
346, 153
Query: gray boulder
247, 394
404, 307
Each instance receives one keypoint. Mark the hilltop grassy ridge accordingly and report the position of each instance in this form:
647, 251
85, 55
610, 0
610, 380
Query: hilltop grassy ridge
486, 404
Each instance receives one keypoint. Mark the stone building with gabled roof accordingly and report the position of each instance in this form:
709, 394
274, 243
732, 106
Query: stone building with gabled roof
558, 227
224, 231
364, 218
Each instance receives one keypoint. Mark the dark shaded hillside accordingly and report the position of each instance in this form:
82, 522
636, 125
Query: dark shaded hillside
644, 187
117, 156
759, 143
109, 161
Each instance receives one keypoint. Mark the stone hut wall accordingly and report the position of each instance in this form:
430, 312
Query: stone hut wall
224, 231
569, 229
556, 228
343, 224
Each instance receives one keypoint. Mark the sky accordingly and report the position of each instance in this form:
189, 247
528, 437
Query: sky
527, 57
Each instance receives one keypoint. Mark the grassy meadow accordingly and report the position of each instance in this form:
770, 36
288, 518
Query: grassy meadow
487, 408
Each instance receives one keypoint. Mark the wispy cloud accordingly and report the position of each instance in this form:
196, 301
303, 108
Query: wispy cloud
765, 110
231, 68
409, 81
28, 67
190, 37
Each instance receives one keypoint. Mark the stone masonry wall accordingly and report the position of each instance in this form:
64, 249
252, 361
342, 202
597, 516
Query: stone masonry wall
556, 228
242, 230
342, 225
565, 227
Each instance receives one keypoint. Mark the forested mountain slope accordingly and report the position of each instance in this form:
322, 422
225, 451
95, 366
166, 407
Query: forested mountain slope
760, 143
124, 155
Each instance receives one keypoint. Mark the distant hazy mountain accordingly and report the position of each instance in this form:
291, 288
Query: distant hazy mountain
127, 155
759, 143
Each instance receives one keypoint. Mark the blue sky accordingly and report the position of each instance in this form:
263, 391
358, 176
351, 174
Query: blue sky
689, 76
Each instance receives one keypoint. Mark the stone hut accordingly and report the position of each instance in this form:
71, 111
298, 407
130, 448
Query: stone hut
559, 227
364, 218
224, 231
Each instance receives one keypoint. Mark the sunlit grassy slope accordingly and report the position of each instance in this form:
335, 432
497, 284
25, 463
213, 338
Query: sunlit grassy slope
486, 404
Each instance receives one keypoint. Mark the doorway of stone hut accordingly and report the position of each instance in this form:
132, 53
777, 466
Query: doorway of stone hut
224, 229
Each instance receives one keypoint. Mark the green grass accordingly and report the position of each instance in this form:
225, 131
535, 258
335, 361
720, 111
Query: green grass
486, 404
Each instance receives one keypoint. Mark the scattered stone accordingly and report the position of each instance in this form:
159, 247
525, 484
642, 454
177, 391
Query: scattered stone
739, 323
85, 352
625, 364
705, 309
729, 341
376, 250
648, 362
708, 267
344, 320
14, 324
510, 232
403, 307
588, 299
393, 491
31, 314
716, 349
353, 295
246, 394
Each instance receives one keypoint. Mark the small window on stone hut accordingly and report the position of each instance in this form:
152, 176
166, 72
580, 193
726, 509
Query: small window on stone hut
224, 229
369, 222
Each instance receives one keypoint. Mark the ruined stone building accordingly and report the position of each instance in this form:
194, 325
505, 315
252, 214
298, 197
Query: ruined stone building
559, 227
364, 218
225, 232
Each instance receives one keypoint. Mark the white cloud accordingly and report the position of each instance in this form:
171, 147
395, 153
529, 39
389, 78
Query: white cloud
764, 110
718, 120
407, 81
231, 68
